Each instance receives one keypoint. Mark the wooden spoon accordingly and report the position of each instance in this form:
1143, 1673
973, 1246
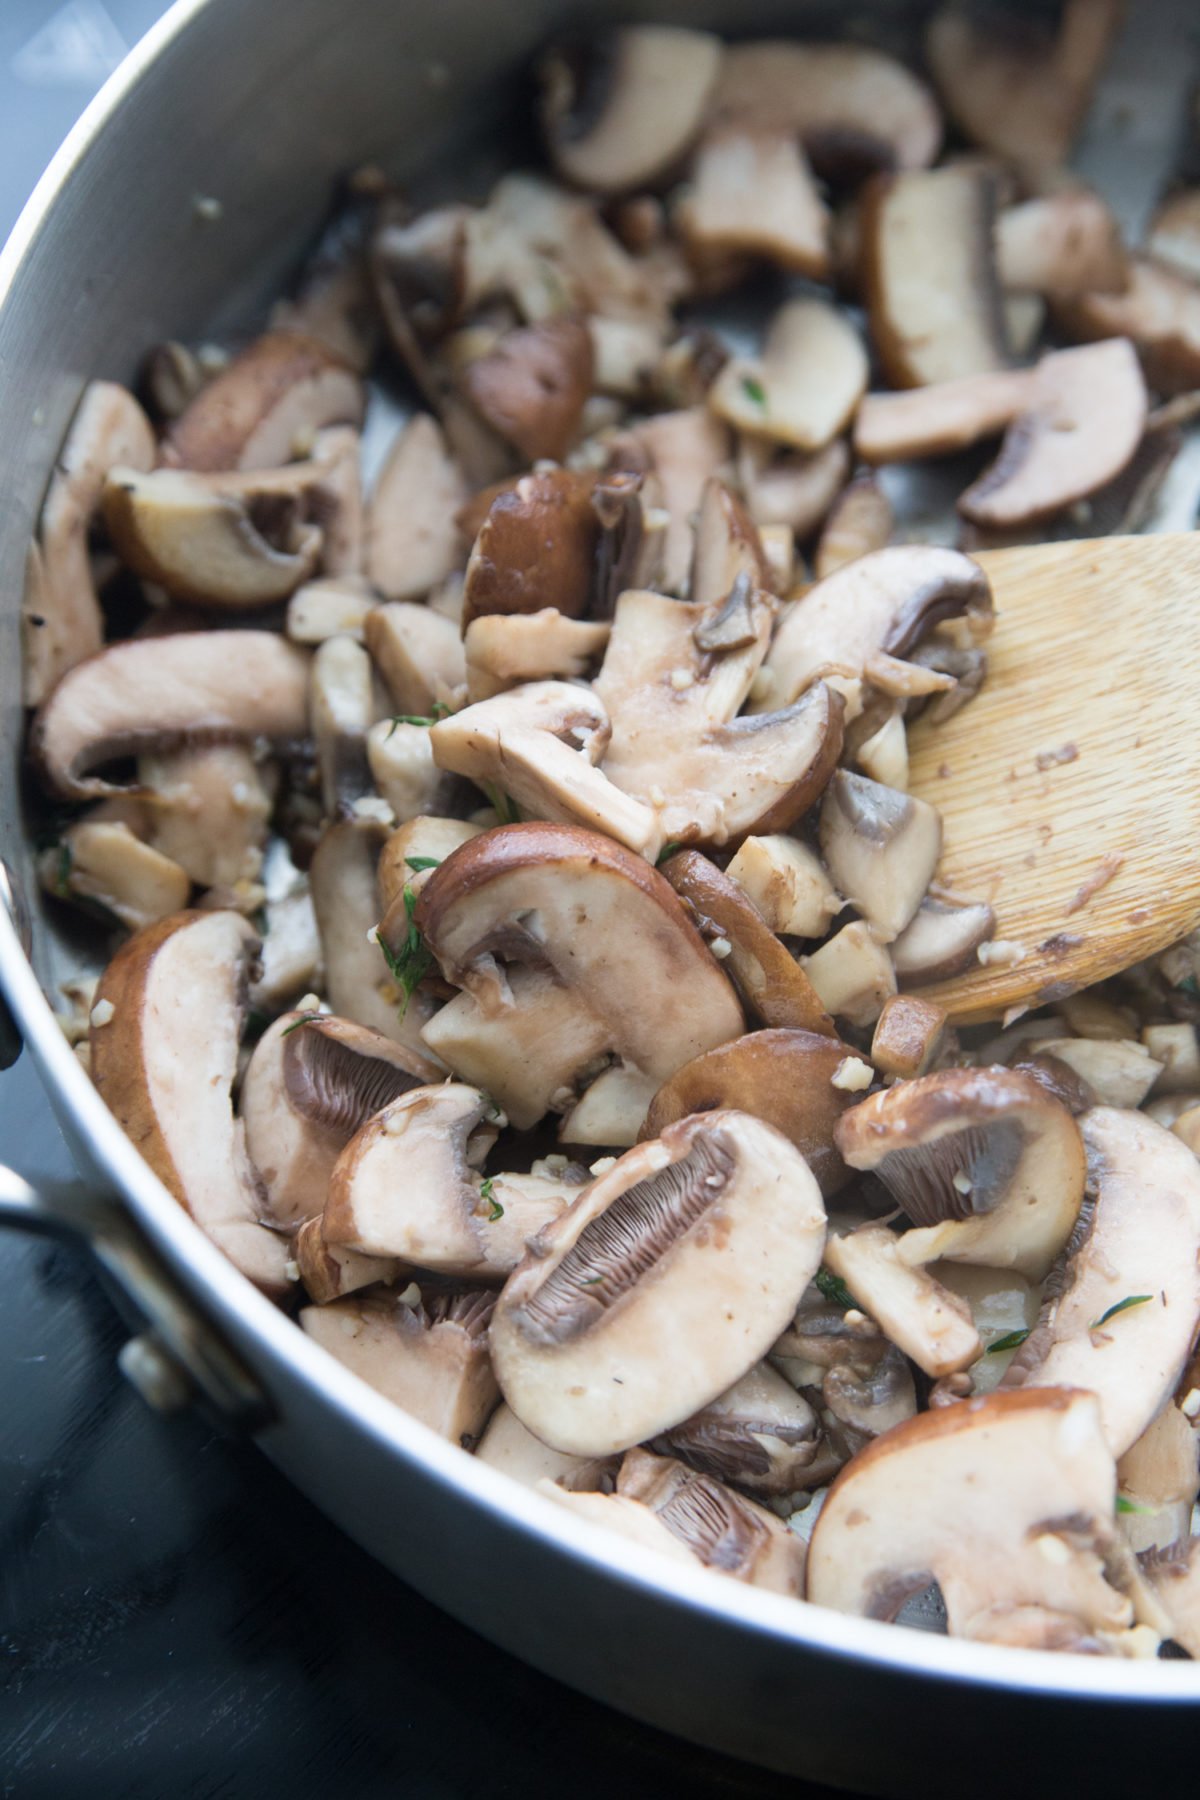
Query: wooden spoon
1070, 785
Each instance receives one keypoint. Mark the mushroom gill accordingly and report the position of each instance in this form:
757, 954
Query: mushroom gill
335, 1083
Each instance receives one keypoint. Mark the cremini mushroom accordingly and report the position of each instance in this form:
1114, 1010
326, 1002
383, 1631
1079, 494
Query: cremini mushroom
341, 712
164, 1061
685, 449
430, 1359
752, 193
413, 540
919, 1314
289, 962
909, 1035
416, 847
507, 1445
880, 847
532, 385
941, 939
329, 606
942, 416
61, 622
503, 650
1123, 1319
788, 883
793, 490
611, 1110
419, 653
1007, 1502
1066, 242
101, 861
859, 522
851, 974
265, 406
783, 1077
1117, 1071
804, 388
624, 111
728, 545
1159, 1477
987, 1166
880, 746
311, 1083
330, 1272
189, 687
1159, 311
536, 548
708, 1235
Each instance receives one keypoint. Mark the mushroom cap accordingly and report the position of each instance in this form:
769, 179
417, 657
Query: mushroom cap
535, 548
265, 402
507, 1445
1066, 242
704, 1239
941, 939
532, 386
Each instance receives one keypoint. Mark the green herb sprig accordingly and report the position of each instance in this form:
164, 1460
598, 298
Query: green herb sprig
409, 965
1012, 1340
505, 808
417, 863
1120, 1307
440, 710
834, 1289
495, 1210
754, 390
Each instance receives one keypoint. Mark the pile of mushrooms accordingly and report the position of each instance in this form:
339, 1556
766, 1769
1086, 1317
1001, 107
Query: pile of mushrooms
514, 912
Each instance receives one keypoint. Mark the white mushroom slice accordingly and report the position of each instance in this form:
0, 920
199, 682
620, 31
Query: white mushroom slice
413, 540
507, 1445
1159, 310
578, 1331
930, 275
1119, 1071
164, 1062
290, 958
793, 490
175, 529
686, 449
311, 1083
883, 757
102, 861
612, 1110
788, 884
415, 848
941, 417
1177, 1048
330, 1272
881, 849
626, 114
804, 389
419, 653
760, 1434
402, 766
1174, 1576
1084, 420
1007, 1502
505, 649
1159, 1477
195, 687
625, 358
987, 1165
779, 552
341, 711
861, 521
941, 940
266, 406
1061, 243
854, 108
1125, 1318
430, 1360
752, 193
209, 809
331, 606
909, 1036
922, 1317
852, 974
886, 602
335, 499
727, 545
1174, 233
61, 622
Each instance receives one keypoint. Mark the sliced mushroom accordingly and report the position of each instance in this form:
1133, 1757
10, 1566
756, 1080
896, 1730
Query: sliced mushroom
860, 522
989, 1168
290, 959
1125, 1317
1118, 1071
787, 883
886, 602
752, 193
706, 1238
854, 108
880, 848
1084, 420
1007, 1502
804, 389
633, 535
685, 449
401, 761
941, 417
507, 1445
882, 754
531, 387
611, 1110
311, 1083
419, 653
622, 112
164, 1061
265, 407
103, 862
921, 1316
536, 548
721, 1529
331, 606
1159, 1478
867, 1403
941, 939
1061, 243
784, 1078
1177, 1048
329, 1272
851, 974
728, 545
413, 540
505, 649
909, 1035
190, 687
540, 743
1159, 310
793, 490
341, 712
648, 991
61, 623
1174, 1576
415, 848
430, 1360
770, 981
1174, 233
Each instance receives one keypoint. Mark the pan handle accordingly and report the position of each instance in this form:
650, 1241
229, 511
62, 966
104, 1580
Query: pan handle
178, 1358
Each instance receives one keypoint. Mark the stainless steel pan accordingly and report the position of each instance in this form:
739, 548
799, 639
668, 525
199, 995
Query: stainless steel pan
258, 103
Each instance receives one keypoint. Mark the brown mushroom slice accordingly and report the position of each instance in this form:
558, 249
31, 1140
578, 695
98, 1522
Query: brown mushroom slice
727, 545
886, 602
1174, 1576
540, 743
880, 847
686, 449
860, 521
431, 1360
921, 1316
929, 274
723, 1530
1159, 1478
792, 490
532, 386
853, 107
941, 939
311, 1083
1159, 311
1124, 1320
1085, 418
1066, 242
1116, 1071
869, 1402
195, 687
341, 711
415, 847
330, 1272
941, 417
787, 883
784, 1078
989, 1168
770, 981
640, 967
419, 653
413, 540
804, 389
633, 535
1010, 87
1173, 236
636, 1261
505, 649
851, 974
624, 111
536, 548
752, 194
507, 1445
909, 1036
1007, 1502
172, 528
61, 622
265, 406
164, 1061
103, 862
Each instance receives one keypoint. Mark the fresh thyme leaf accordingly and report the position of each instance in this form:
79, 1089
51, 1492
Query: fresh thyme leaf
1120, 1307
754, 390
417, 863
1009, 1342
1131, 1506
262, 922
62, 874
409, 965
506, 809
835, 1290
440, 709
495, 1210
667, 851
297, 1023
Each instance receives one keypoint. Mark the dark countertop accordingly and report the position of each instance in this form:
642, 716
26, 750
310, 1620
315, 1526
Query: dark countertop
176, 1623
